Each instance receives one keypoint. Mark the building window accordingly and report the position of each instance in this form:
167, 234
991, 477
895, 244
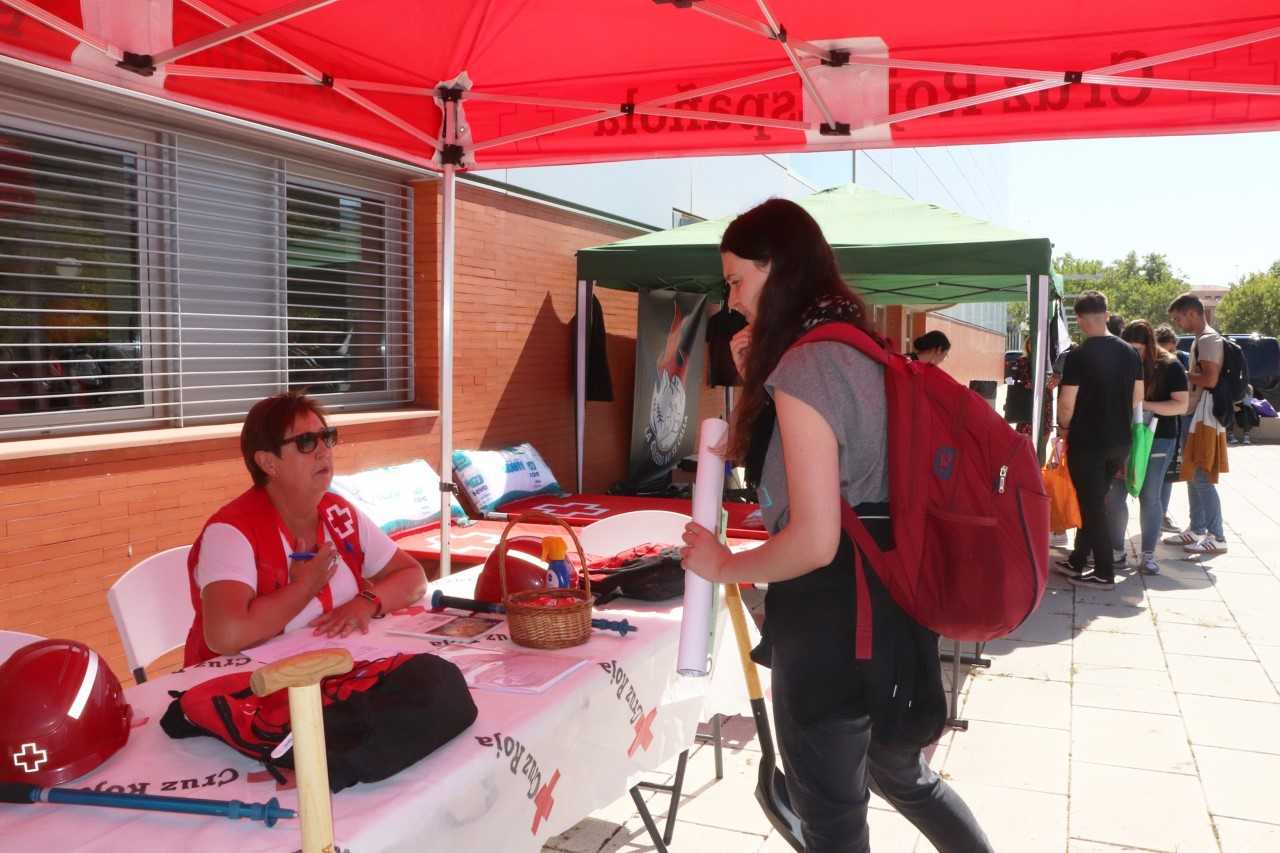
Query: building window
151, 278
72, 279
340, 327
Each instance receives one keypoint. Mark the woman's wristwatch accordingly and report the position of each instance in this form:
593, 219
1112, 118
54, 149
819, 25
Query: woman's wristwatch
369, 595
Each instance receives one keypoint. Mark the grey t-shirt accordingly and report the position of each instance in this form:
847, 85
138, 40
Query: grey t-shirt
1207, 347
847, 389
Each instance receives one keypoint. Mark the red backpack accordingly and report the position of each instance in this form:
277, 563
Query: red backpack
969, 511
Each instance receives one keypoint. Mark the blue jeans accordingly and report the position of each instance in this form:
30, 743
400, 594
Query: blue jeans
1152, 499
1206, 508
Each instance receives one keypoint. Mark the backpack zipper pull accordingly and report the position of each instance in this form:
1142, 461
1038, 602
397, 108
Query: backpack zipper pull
1004, 474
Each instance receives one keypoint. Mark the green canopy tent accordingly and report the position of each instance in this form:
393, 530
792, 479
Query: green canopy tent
895, 251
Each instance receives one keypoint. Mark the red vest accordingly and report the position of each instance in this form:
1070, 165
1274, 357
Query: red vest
255, 516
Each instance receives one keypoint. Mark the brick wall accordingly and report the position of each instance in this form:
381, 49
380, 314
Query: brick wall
975, 353
71, 524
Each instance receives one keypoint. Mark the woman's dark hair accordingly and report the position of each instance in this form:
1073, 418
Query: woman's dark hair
932, 340
1115, 324
1166, 335
803, 272
1140, 332
267, 422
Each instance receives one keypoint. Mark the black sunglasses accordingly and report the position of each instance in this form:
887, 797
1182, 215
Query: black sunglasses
307, 441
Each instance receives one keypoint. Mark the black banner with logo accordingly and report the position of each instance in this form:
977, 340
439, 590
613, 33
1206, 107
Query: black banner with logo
670, 355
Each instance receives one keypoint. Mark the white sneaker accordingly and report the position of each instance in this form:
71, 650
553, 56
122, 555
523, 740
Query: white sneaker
1058, 540
1210, 544
1186, 537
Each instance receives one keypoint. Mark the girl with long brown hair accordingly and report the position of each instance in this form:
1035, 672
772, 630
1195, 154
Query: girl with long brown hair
811, 428
1166, 395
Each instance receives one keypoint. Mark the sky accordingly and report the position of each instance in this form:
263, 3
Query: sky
1210, 203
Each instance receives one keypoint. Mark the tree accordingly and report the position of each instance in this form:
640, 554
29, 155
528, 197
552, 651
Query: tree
1252, 305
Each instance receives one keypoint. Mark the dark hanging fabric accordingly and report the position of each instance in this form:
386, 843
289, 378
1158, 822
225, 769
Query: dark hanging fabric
599, 382
721, 328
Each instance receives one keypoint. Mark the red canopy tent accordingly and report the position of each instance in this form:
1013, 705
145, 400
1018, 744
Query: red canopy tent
516, 83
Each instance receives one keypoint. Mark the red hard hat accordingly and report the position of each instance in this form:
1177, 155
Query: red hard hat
525, 570
62, 713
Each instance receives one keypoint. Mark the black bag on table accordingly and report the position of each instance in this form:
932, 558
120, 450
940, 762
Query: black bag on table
379, 718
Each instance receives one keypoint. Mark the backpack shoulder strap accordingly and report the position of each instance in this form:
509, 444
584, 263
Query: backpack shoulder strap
846, 333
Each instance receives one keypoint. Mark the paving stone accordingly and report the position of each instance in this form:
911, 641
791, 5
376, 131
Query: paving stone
1245, 836
1010, 756
1051, 662
1102, 648
1229, 679
1143, 700
1205, 642
1020, 700
1129, 739
1210, 614
1240, 784
1232, 723
1115, 619
1145, 809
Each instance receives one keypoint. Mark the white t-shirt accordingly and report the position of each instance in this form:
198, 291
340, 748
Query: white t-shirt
226, 555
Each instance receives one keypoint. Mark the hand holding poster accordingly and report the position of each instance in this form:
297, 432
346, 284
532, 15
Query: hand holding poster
699, 593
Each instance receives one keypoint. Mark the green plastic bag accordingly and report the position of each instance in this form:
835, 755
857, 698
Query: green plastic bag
1143, 435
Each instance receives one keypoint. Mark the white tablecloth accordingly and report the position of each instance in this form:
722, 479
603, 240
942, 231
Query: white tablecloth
529, 767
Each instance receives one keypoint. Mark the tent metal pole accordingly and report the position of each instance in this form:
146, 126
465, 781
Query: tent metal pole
53, 22
544, 131
1039, 293
730, 17
780, 34
210, 73
580, 375
244, 28
386, 115
728, 85
448, 224
253, 38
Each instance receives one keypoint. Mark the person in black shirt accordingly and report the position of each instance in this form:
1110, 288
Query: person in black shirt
1101, 385
1166, 396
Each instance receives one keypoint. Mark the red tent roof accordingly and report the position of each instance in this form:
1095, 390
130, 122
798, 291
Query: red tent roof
627, 79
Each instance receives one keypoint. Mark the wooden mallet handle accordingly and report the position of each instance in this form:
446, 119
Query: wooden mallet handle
300, 670
301, 674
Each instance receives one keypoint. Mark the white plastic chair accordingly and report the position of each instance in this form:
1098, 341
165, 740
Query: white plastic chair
608, 536
151, 605
11, 641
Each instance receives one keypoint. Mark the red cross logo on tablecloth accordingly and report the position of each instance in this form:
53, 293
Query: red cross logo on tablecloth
644, 733
545, 801
411, 610
30, 758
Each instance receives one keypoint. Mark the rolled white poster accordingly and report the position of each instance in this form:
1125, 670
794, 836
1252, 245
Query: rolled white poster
699, 594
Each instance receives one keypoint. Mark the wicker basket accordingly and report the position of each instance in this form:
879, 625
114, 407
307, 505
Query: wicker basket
539, 626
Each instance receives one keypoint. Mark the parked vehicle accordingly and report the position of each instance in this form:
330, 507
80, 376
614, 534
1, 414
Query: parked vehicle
1261, 353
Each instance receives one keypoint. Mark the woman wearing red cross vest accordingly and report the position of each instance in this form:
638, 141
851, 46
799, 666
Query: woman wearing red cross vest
288, 553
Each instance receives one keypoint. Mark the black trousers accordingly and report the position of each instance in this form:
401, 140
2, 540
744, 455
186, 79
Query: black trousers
833, 764
1092, 471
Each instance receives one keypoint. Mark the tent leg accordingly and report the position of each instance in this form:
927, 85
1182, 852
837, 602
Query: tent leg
580, 373
1038, 290
448, 224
